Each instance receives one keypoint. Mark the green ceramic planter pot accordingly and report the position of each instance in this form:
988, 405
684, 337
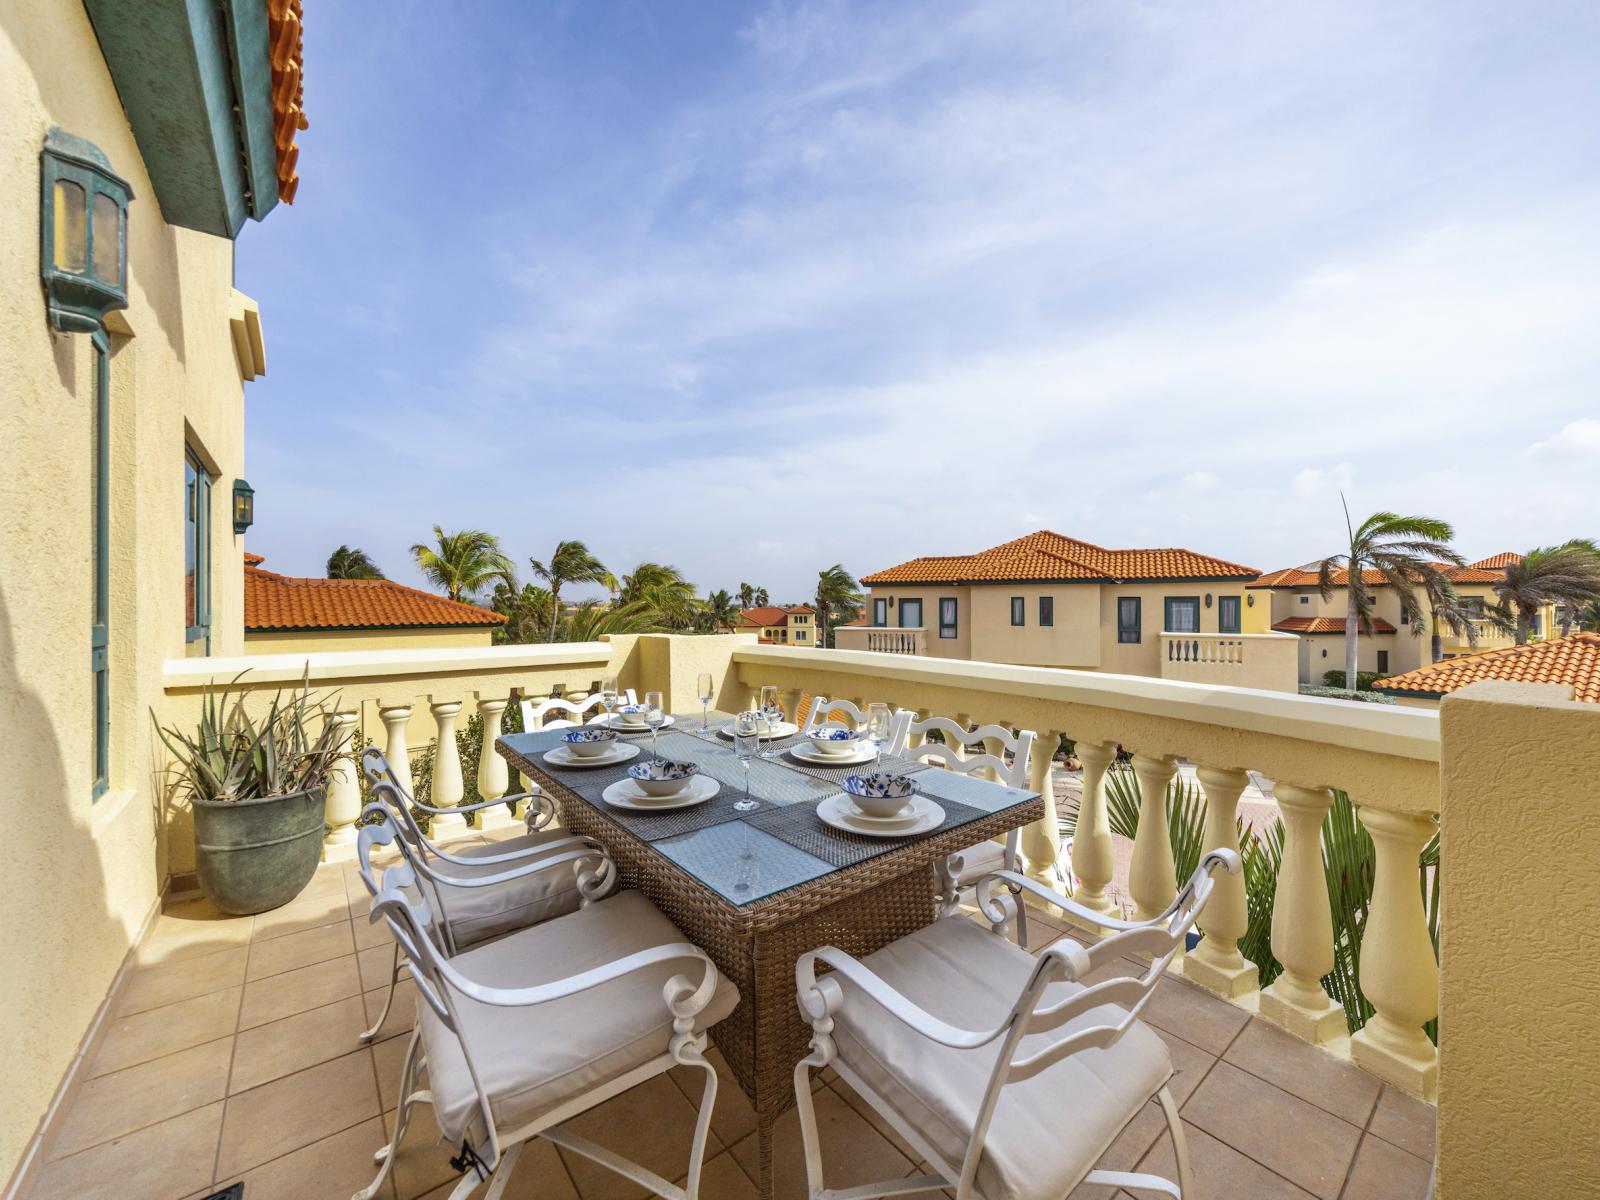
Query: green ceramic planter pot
252, 855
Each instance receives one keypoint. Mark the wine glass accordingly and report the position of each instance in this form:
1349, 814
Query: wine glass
655, 713
608, 697
746, 737
706, 689
877, 730
771, 714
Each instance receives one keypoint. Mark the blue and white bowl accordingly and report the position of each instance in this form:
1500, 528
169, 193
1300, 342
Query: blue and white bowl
590, 741
833, 739
630, 714
662, 777
880, 794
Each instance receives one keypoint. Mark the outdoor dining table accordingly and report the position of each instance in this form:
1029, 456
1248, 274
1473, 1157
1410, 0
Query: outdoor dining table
757, 889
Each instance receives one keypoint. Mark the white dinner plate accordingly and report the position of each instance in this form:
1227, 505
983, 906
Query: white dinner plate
806, 752
621, 727
618, 752
782, 729
840, 812
627, 794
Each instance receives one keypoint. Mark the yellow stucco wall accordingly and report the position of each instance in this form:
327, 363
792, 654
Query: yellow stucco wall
310, 642
81, 876
1519, 982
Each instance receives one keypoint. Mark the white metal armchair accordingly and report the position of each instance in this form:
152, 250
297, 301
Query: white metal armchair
1009, 1075
481, 892
823, 710
521, 1034
536, 713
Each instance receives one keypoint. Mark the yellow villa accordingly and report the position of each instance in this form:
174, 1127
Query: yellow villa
781, 624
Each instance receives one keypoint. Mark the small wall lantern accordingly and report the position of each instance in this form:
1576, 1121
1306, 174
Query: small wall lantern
244, 506
1208, 599
1250, 599
83, 224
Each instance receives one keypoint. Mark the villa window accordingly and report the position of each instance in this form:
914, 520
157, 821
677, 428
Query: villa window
947, 617
880, 611
1383, 662
1128, 619
1183, 614
911, 614
196, 548
1047, 611
799, 635
1305, 599
1227, 614
1019, 610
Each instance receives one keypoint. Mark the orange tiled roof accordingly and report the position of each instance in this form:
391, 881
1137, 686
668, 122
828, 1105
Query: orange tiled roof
280, 602
253, 560
771, 614
287, 52
1574, 659
1051, 557
1300, 577
1326, 625
1498, 562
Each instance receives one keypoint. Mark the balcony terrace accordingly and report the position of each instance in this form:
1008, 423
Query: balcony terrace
227, 1047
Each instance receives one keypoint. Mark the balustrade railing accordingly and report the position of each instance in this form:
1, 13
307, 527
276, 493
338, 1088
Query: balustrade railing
882, 639
1255, 660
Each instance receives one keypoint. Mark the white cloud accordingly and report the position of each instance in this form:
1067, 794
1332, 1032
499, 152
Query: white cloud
1577, 439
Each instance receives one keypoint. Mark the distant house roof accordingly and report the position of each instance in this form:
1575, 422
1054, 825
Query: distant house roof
1499, 562
1574, 660
274, 602
1306, 577
1326, 625
1046, 557
771, 614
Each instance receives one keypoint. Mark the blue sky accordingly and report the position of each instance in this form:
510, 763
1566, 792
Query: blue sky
756, 288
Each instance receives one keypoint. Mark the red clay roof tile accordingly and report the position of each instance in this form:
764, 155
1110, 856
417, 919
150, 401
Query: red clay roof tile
281, 602
1048, 556
1573, 660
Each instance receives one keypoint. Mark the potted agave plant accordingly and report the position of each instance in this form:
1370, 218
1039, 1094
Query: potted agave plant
258, 789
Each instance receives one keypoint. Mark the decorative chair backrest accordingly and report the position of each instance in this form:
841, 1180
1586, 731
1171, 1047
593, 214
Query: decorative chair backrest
534, 712
845, 712
954, 752
1064, 960
395, 799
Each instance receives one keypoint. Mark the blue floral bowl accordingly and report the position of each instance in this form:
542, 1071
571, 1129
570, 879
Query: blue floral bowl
880, 794
833, 739
662, 777
630, 714
590, 741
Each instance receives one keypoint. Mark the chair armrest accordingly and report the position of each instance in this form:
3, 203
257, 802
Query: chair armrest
512, 856
558, 857
683, 998
479, 805
820, 998
1019, 882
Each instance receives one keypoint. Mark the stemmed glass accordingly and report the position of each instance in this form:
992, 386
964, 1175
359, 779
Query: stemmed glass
877, 730
654, 714
746, 737
771, 714
705, 688
608, 697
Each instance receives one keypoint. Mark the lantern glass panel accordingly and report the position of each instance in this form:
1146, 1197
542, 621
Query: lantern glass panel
71, 230
107, 238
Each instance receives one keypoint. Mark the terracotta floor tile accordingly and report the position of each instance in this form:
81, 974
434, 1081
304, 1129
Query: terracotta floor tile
541, 1175
279, 996
1297, 1140
279, 1048
871, 1115
287, 1114
1405, 1121
168, 983
1194, 1014
733, 1117
1386, 1172
336, 1167
280, 954
368, 933
376, 963
1220, 1172
402, 1013
388, 1058
1190, 1065
652, 1124
172, 1158
124, 1101
722, 1178
853, 1152
303, 912
188, 929
140, 1037
423, 1161
1313, 1074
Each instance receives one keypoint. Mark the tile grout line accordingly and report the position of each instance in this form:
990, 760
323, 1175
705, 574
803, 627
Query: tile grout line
227, 1094
1366, 1130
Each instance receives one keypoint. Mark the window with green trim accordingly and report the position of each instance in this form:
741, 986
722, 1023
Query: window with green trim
1128, 619
100, 507
1019, 610
1047, 611
1183, 614
947, 616
1228, 614
196, 548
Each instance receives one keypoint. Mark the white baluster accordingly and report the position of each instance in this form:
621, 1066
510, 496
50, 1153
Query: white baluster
1152, 877
494, 779
1041, 841
1302, 922
1092, 860
790, 699
448, 787
1398, 973
1216, 962
395, 718
343, 801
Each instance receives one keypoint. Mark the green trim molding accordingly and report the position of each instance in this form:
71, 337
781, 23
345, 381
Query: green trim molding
196, 84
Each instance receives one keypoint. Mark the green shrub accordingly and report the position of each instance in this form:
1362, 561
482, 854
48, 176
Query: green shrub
1339, 693
1364, 679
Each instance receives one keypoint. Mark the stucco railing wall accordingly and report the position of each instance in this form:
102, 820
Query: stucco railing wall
1387, 759
882, 639
1267, 661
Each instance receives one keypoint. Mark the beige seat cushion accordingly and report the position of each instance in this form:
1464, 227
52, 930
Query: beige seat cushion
532, 1059
1047, 1131
477, 914
977, 861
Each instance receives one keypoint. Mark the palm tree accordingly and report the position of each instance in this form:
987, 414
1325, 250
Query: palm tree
1461, 619
591, 621
463, 563
721, 609
571, 563
1567, 574
349, 563
528, 612
1404, 552
662, 592
761, 598
1589, 617
838, 596
747, 596
609, 582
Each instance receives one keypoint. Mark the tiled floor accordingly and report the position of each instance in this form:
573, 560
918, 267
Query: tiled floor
231, 1053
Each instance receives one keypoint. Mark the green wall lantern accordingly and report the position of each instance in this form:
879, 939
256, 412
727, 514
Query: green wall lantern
83, 228
244, 506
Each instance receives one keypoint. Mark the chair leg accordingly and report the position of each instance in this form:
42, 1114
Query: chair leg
702, 1125
808, 1127
1180, 1144
388, 1000
384, 1156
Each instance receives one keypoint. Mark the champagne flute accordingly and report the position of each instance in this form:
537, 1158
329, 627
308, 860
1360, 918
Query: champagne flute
877, 730
772, 713
654, 714
608, 697
705, 688
746, 737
